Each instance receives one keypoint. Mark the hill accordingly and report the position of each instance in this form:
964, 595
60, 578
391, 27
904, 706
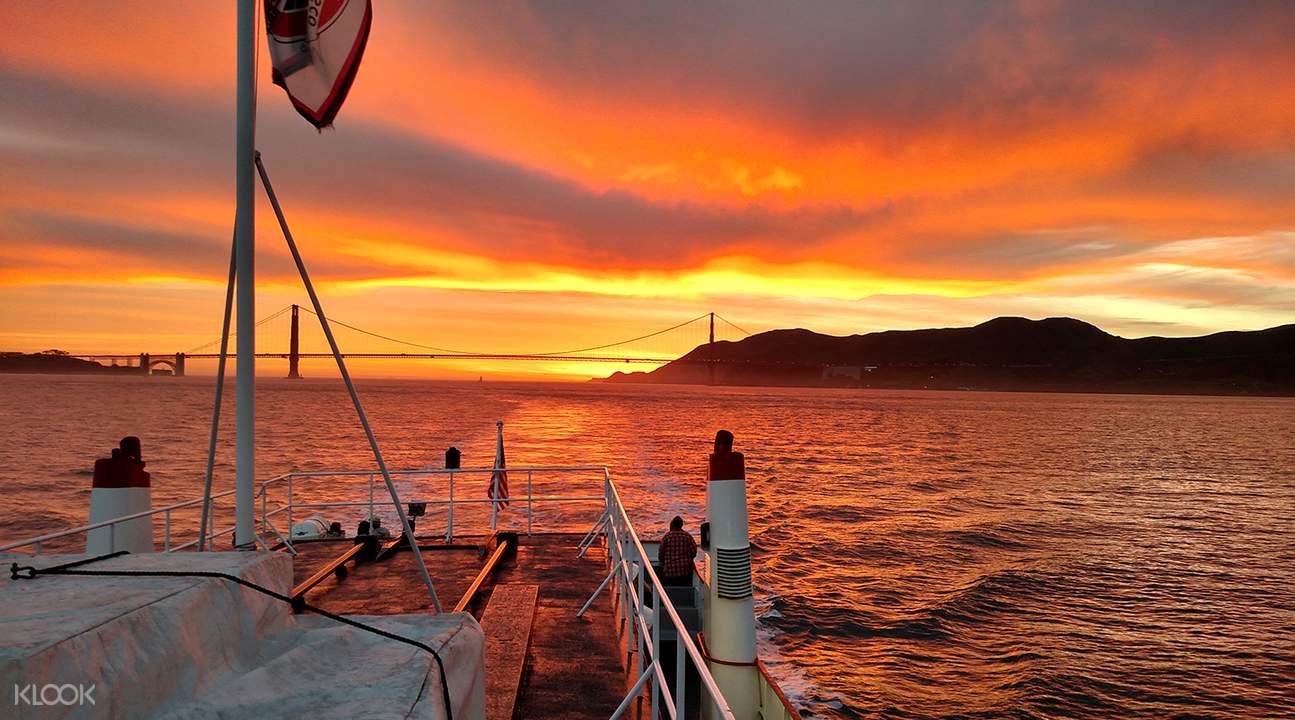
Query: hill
1006, 353
54, 361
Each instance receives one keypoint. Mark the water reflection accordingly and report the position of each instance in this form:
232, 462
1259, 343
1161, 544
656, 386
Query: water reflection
917, 554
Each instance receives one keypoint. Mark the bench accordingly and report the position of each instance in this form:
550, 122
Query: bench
507, 623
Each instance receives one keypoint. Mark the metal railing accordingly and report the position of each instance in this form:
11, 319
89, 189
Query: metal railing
630, 565
37, 543
290, 482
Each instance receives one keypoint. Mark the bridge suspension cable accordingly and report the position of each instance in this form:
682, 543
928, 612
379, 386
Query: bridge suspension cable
624, 342
557, 354
259, 323
398, 341
730, 324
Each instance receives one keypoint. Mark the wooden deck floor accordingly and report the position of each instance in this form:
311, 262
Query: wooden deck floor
576, 666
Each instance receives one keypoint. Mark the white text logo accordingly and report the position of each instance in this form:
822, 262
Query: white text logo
51, 694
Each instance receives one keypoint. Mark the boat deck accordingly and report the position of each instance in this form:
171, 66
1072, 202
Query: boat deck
575, 667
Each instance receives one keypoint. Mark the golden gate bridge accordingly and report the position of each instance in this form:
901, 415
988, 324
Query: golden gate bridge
656, 348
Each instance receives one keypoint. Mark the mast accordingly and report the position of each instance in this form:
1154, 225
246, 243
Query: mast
245, 253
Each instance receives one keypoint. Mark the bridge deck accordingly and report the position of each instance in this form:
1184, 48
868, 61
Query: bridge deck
666, 346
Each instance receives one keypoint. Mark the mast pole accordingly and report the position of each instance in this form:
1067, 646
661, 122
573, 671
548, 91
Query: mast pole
245, 254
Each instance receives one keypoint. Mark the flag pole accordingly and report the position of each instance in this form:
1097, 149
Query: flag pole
245, 258
495, 485
346, 377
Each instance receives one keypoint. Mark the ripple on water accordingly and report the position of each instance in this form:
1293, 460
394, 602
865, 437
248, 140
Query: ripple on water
920, 555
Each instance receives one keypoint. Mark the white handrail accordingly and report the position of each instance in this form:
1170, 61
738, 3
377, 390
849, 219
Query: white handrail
113, 521
619, 528
483, 501
630, 562
435, 471
531, 501
290, 505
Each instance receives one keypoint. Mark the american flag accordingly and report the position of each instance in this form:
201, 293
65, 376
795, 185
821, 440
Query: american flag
499, 478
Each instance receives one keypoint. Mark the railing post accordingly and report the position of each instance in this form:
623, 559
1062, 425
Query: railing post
449, 514
620, 573
370, 496
622, 598
627, 588
633, 693
289, 504
265, 518
37, 551
614, 560
680, 672
166, 541
656, 653
638, 629
530, 503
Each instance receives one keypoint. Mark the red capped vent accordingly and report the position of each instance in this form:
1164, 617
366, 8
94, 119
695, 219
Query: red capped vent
726, 466
119, 473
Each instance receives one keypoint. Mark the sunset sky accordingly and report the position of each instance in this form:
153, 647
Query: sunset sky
518, 177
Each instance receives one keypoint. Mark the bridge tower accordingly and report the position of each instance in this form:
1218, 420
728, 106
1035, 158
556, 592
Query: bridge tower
179, 365
294, 348
145, 364
710, 369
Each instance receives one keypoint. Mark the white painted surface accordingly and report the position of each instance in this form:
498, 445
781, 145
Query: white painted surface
207, 648
133, 535
730, 625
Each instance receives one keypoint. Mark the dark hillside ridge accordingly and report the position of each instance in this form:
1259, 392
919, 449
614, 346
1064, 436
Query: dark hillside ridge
1006, 353
56, 362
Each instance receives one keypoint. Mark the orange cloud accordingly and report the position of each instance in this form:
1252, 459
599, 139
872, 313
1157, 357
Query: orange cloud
799, 164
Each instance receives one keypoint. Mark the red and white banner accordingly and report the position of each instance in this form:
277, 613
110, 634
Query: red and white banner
315, 47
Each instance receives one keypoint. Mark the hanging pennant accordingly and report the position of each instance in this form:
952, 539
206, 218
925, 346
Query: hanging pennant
315, 48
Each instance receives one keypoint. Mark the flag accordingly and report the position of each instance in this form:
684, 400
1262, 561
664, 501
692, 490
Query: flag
499, 478
315, 48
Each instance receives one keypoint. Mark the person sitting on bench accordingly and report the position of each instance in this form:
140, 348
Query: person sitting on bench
676, 554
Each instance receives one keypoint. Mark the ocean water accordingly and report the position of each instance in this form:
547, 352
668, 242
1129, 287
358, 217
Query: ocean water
918, 554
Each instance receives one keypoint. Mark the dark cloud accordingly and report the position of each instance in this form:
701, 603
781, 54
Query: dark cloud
1193, 165
144, 144
132, 243
506, 210
841, 67
184, 250
820, 68
1018, 254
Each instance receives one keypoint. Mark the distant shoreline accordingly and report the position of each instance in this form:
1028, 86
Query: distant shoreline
56, 363
123, 372
916, 388
1003, 355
